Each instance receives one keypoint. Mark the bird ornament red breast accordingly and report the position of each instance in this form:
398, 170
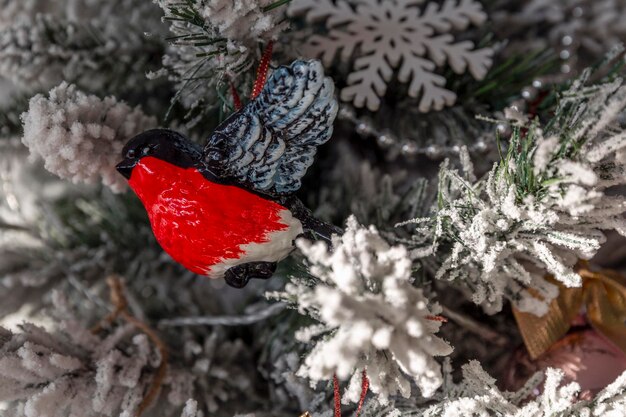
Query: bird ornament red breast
228, 210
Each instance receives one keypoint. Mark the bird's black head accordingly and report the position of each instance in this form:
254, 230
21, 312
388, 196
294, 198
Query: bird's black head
164, 144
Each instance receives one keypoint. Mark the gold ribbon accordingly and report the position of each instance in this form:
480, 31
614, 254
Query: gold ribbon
603, 294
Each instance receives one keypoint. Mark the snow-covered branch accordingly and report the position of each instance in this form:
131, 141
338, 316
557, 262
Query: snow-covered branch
539, 210
371, 316
80, 136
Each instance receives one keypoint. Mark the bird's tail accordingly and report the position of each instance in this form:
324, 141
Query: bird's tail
321, 230
313, 228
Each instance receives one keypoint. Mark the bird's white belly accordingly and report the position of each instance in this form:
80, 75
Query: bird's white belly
277, 247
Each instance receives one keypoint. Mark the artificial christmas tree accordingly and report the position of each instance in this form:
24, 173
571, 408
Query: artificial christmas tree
473, 172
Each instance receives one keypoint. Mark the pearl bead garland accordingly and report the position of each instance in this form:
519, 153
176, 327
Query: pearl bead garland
407, 148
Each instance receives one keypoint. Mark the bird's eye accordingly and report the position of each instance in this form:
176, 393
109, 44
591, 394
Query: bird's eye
130, 153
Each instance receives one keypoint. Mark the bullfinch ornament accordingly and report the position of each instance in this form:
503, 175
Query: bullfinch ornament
228, 210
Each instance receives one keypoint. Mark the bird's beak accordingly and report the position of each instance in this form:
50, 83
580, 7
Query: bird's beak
125, 167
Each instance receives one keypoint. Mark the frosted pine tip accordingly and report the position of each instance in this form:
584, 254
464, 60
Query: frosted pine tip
118, 299
264, 66
437, 318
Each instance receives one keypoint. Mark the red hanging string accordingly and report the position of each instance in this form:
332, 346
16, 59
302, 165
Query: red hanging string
236, 99
337, 396
365, 384
437, 318
264, 66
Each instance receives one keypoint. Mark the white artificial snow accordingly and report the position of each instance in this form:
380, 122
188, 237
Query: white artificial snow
79, 136
371, 316
543, 153
237, 25
191, 409
70, 371
478, 395
12, 12
389, 35
242, 19
92, 43
57, 374
503, 245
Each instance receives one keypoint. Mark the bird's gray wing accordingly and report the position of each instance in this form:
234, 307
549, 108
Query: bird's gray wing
270, 143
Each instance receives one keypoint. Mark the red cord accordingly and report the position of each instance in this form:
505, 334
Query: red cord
337, 396
236, 99
365, 384
437, 318
264, 66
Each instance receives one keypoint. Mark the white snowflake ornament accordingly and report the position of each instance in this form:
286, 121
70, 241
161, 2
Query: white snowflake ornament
389, 35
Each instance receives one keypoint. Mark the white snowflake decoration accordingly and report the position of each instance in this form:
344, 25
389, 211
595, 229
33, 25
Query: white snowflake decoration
389, 35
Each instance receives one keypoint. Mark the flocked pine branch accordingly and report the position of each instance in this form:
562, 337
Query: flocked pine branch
545, 394
102, 47
212, 43
18, 12
75, 371
539, 210
79, 136
30, 264
478, 395
41, 51
370, 317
